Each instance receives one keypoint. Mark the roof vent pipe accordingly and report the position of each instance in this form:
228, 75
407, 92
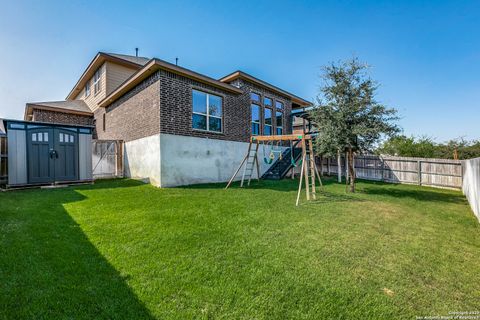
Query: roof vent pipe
176, 61
136, 52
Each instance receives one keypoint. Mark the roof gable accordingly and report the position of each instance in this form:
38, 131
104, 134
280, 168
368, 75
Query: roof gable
132, 62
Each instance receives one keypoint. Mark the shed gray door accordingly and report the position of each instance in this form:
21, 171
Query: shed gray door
40, 155
66, 161
52, 155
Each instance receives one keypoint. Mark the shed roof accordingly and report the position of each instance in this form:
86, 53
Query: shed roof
65, 106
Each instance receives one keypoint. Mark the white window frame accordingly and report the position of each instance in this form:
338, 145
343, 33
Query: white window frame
271, 105
259, 122
97, 84
208, 112
265, 125
87, 89
276, 126
259, 101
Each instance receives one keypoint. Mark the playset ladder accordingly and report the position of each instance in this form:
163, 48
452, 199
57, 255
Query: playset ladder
251, 161
309, 171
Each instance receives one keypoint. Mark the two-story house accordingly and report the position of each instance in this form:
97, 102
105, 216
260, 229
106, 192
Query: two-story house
179, 126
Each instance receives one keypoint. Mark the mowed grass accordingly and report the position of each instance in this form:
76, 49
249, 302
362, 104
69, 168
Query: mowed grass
120, 249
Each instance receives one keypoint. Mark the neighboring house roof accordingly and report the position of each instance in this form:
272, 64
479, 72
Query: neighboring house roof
70, 106
243, 75
101, 57
156, 64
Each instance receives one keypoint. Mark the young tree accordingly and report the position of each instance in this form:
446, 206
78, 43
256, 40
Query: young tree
347, 115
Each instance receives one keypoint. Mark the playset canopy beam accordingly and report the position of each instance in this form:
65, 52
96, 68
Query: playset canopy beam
286, 137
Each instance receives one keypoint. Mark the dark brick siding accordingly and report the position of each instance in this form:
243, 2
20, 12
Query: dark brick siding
176, 110
163, 104
135, 115
61, 117
248, 87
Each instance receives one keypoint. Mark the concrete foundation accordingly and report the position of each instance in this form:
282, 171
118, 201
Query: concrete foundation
171, 160
142, 159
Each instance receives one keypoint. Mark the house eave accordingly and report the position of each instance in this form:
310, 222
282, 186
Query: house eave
156, 64
242, 75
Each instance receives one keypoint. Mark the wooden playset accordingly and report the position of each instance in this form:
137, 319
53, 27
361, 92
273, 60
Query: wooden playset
308, 171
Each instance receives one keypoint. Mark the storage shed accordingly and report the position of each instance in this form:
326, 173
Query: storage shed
45, 153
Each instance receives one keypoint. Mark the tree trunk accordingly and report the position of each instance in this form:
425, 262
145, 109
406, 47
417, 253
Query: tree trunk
351, 170
339, 167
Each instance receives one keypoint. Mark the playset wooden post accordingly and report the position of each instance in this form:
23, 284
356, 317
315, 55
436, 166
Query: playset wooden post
308, 170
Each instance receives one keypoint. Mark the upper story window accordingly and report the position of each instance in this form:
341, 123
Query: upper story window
279, 122
96, 81
267, 128
279, 105
255, 119
267, 102
87, 89
255, 97
207, 111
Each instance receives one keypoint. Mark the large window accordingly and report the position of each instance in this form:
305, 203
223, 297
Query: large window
267, 102
255, 97
87, 88
279, 122
207, 111
96, 80
267, 128
279, 105
255, 119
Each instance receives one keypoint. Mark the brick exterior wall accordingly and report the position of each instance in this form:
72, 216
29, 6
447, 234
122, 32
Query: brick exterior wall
176, 109
163, 104
61, 117
248, 87
133, 116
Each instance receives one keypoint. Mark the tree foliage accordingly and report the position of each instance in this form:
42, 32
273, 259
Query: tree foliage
348, 116
426, 147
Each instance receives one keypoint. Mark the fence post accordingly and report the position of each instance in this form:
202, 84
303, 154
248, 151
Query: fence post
382, 168
419, 164
328, 166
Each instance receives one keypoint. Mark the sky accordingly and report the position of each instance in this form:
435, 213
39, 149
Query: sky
424, 54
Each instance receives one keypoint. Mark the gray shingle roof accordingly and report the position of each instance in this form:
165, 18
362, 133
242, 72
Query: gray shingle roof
138, 60
74, 105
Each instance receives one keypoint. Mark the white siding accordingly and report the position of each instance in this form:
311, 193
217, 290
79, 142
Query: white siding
17, 157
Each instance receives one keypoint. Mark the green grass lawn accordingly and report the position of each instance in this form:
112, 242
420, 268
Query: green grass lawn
122, 249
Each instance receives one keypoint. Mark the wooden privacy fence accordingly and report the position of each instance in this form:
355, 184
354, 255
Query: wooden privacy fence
422, 171
107, 158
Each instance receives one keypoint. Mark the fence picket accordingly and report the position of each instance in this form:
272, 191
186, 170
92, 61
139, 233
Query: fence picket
423, 171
